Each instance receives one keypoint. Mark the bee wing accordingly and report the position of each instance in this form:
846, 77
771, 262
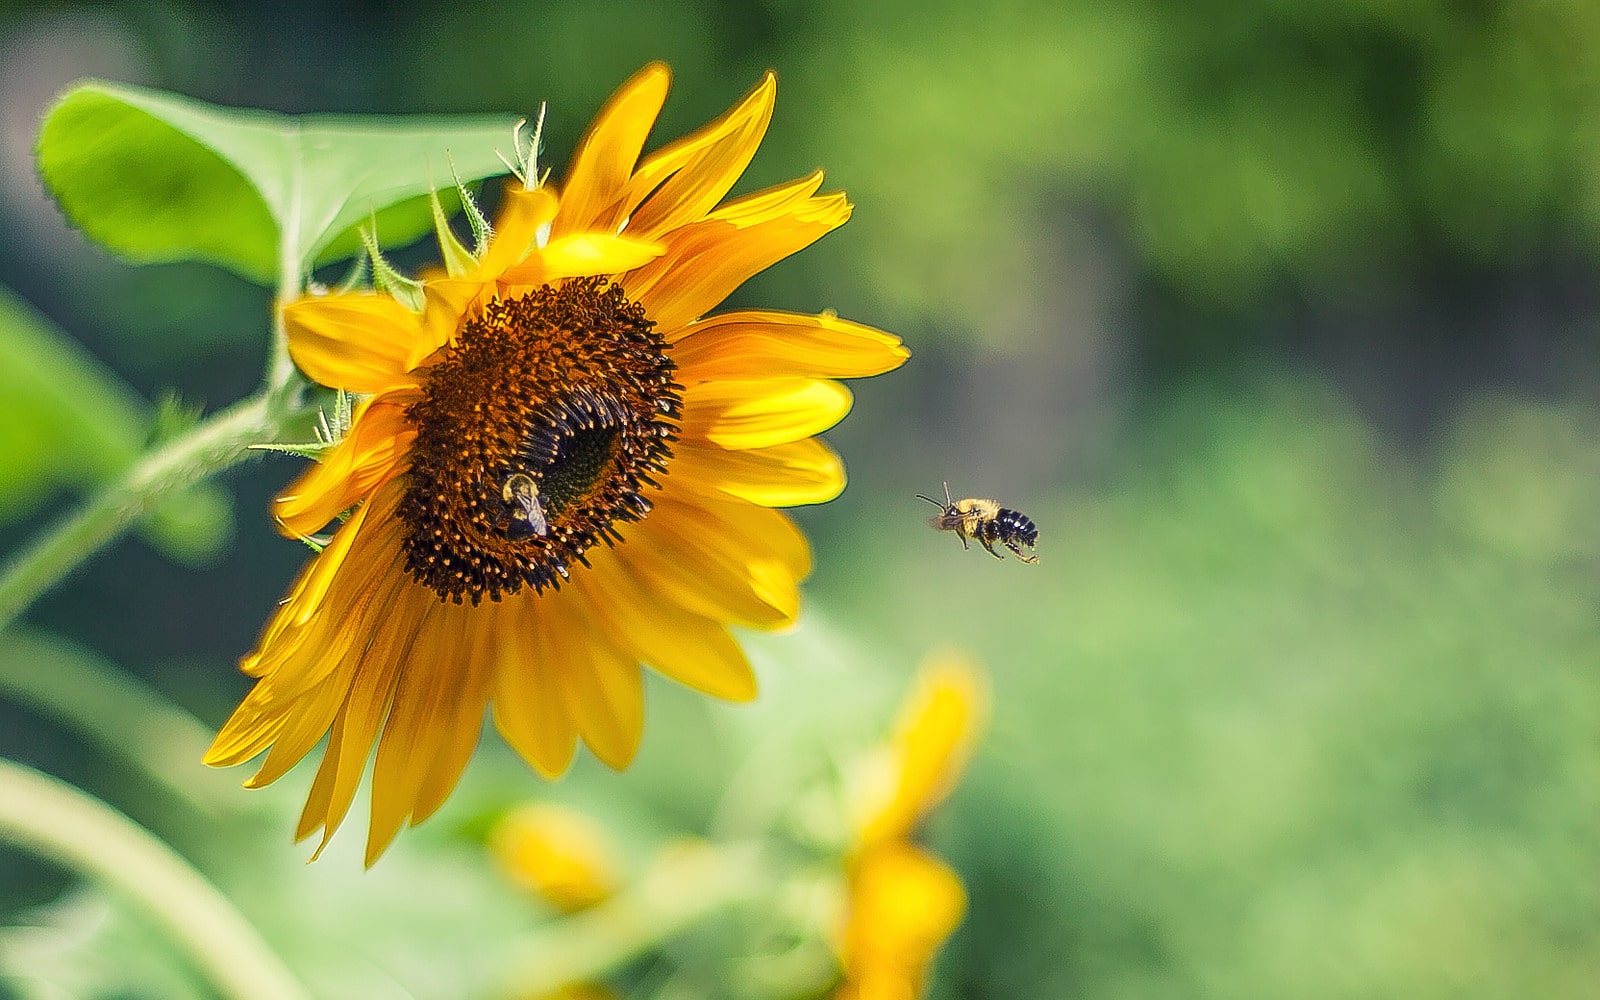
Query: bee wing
533, 513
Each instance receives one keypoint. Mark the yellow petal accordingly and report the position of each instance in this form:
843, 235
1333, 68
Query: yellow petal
252, 727
705, 261
762, 413
711, 161
308, 642
684, 646
378, 443
356, 726
784, 475
610, 705
605, 158
357, 341
528, 707
581, 255
445, 302
461, 716
767, 344
603, 686
263, 714
412, 732
434, 722
725, 561
307, 721
789, 198
314, 814
522, 214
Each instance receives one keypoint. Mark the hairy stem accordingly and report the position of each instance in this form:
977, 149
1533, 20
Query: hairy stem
207, 449
56, 820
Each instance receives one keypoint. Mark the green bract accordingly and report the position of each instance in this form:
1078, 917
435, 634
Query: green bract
156, 177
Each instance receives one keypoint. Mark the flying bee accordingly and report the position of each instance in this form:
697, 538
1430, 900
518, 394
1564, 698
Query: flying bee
521, 494
986, 521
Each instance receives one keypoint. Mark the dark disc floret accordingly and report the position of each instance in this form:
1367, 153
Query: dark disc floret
538, 431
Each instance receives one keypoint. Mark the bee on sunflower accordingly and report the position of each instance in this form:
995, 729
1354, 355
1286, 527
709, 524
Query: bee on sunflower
560, 469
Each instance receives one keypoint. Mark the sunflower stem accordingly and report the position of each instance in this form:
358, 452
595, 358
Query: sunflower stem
54, 819
207, 448
102, 703
282, 375
686, 884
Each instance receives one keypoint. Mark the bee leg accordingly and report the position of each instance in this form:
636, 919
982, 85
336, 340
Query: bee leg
1025, 557
990, 546
962, 535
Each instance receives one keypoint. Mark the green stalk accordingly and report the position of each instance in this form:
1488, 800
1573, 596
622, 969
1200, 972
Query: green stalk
686, 884
207, 449
55, 820
79, 689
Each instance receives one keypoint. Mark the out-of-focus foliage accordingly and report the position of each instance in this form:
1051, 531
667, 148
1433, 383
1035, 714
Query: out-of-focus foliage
162, 178
1281, 716
1235, 144
84, 946
66, 423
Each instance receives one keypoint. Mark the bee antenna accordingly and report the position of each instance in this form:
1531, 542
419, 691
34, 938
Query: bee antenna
930, 500
947, 501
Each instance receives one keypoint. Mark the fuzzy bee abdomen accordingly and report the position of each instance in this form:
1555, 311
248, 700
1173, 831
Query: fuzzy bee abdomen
1015, 526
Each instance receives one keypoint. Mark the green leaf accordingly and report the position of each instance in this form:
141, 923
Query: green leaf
156, 177
66, 422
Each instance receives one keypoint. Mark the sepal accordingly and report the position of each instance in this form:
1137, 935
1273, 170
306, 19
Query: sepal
329, 431
388, 280
482, 231
458, 260
526, 167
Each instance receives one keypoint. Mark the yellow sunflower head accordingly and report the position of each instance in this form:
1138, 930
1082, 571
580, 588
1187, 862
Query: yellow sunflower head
561, 469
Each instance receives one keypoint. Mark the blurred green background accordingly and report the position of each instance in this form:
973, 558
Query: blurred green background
1279, 319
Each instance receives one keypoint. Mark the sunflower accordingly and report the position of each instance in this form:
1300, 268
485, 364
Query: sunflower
903, 902
560, 469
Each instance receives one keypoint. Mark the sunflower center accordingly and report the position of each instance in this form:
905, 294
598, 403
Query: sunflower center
537, 431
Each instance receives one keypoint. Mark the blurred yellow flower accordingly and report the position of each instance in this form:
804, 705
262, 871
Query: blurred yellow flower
557, 853
559, 394
903, 904
902, 901
932, 741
